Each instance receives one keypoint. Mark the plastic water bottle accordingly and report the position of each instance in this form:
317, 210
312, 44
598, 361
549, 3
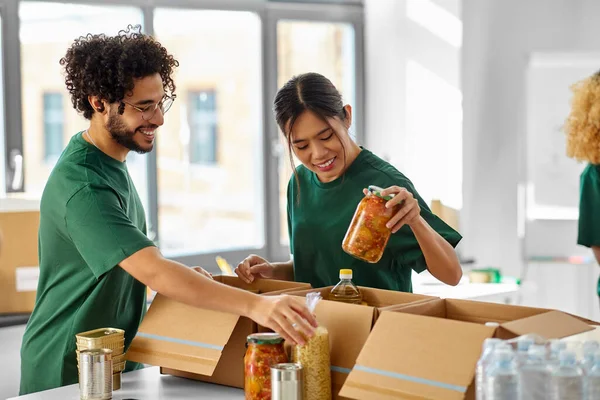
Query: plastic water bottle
556, 346
534, 375
482, 365
590, 347
566, 382
592, 386
502, 382
523, 344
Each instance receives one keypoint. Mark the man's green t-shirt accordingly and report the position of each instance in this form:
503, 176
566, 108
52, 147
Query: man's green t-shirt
91, 218
589, 209
319, 215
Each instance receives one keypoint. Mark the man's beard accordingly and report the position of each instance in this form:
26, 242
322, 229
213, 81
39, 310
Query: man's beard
123, 136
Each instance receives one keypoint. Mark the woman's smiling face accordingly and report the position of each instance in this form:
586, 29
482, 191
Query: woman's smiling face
321, 145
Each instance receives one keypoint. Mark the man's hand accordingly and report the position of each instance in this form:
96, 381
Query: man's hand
281, 313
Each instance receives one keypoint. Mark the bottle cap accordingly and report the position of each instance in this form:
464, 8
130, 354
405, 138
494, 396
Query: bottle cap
345, 274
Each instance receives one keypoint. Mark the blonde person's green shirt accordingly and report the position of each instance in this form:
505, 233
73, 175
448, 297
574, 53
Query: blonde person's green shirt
589, 209
319, 215
91, 218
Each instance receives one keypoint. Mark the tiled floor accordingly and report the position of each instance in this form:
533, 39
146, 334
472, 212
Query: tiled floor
10, 346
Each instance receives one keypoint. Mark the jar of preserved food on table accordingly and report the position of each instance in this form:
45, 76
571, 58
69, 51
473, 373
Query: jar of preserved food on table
263, 351
368, 234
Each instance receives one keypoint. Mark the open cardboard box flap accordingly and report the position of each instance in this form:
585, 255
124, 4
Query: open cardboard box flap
175, 335
514, 320
337, 318
550, 325
260, 286
409, 356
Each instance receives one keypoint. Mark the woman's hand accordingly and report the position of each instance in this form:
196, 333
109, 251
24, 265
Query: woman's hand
253, 266
286, 315
409, 209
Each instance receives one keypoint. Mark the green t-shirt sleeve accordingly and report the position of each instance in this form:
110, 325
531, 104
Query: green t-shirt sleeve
589, 207
101, 230
404, 243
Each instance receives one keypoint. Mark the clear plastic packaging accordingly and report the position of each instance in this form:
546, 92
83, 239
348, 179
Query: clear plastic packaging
590, 347
593, 379
566, 382
534, 375
368, 234
482, 365
315, 359
346, 291
502, 382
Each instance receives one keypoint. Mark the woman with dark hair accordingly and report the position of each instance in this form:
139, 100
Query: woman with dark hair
325, 190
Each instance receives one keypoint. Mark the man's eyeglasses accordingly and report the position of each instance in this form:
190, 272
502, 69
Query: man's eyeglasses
149, 111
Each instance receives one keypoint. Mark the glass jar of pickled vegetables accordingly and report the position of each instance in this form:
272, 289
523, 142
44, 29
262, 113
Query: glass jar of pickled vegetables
368, 234
263, 350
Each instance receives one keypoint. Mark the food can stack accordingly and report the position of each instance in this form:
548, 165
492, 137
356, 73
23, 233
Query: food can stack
105, 338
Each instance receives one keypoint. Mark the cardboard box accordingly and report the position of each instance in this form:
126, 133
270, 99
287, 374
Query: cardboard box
429, 350
19, 265
350, 325
447, 214
197, 343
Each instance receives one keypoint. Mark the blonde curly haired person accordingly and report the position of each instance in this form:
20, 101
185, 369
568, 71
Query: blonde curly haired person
583, 144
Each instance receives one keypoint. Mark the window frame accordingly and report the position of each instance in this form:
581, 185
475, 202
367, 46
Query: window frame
269, 12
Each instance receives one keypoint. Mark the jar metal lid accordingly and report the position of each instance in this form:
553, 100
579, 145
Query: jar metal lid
265, 338
376, 190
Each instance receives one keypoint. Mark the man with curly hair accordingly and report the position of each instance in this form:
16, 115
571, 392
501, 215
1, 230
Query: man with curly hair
95, 257
583, 144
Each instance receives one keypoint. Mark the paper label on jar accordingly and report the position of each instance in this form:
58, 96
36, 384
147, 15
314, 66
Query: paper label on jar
27, 278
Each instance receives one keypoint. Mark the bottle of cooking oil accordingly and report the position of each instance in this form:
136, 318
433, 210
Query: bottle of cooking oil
346, 291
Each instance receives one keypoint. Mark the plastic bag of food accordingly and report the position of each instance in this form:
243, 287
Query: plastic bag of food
314, 357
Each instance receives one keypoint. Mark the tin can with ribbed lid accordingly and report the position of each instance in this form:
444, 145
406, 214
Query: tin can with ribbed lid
95, 374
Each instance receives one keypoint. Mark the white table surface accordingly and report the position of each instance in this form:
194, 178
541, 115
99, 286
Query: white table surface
465, 290
149, 384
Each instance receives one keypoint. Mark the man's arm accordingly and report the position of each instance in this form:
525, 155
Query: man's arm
185, 285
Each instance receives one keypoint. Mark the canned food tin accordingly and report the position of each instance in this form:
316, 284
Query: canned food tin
95, 374
287, 380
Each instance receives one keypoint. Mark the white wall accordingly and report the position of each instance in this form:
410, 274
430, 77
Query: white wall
413, 92
499, 37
